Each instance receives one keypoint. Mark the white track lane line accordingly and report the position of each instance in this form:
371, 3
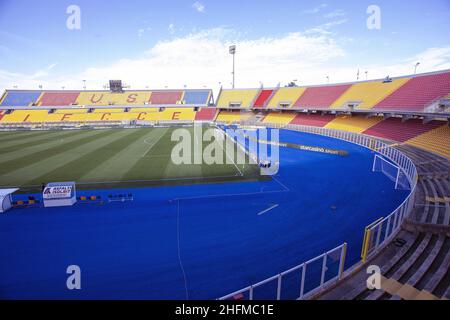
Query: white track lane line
268, 209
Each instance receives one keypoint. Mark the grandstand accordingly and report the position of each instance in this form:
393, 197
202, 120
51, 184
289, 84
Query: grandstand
418, 94
236, 98
404, 119
61, 98
354, 123
366, 95
320, 97
285, 98
263, 98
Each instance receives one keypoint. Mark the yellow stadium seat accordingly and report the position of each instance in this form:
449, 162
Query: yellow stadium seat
279, 118
98, 116
71, 111
367, 94
110, 110
237, 98
285, 97
138, 110
437, 141
177, 114
356, 124
105, 98
18, 116
230, 116
153, 114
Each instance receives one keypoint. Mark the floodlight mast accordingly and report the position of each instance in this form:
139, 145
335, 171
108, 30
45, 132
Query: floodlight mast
232, 51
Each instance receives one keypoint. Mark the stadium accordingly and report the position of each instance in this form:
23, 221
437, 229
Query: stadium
310, 186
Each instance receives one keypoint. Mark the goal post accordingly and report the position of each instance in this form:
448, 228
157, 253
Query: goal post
393, 172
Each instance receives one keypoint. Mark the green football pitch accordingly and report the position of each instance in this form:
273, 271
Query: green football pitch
108, 158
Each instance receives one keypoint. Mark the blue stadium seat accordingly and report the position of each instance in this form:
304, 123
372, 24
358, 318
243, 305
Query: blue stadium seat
20, 98
199, 97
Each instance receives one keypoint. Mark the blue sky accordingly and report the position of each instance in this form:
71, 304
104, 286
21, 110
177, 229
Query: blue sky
183, 42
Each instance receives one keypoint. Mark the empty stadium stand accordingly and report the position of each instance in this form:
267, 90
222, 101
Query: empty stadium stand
67, 115
282, 118
236, 98
58, 98
22, 98
285, 97
355, 124
418, 93
25, 116
398, 130
176, 114
197, 97
206, 114
320, 97
105, 98
166, 97
365, 95
263, 98
25, 98
436, 140
314, 120
233, 116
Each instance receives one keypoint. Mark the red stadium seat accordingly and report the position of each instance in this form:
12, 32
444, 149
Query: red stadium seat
165, 97
206, 114
320, 97
395, 129
263, 98
313, 120
418, 93
58, 98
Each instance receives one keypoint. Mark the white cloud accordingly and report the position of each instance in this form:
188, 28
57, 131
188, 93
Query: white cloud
171, 28
316, 9
199, 7
325, 28
142, 31
335, 14
202, 59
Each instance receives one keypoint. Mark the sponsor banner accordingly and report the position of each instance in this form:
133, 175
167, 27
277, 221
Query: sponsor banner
57, 192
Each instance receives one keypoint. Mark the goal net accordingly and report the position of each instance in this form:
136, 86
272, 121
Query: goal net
393, 172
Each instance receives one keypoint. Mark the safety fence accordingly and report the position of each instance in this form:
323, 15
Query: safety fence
377, 234
298, 282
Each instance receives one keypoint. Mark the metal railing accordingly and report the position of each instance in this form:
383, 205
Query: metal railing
377, 234
298, 282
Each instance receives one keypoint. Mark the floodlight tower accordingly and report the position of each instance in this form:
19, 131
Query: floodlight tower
232, 51
415, 67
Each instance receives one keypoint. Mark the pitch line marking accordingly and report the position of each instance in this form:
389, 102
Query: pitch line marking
268, 209
229, 157
226, 153
152, 144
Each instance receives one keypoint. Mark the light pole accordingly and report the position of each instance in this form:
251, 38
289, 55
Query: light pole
328, 79
84, 85
415, 67
367, 72
232, 51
